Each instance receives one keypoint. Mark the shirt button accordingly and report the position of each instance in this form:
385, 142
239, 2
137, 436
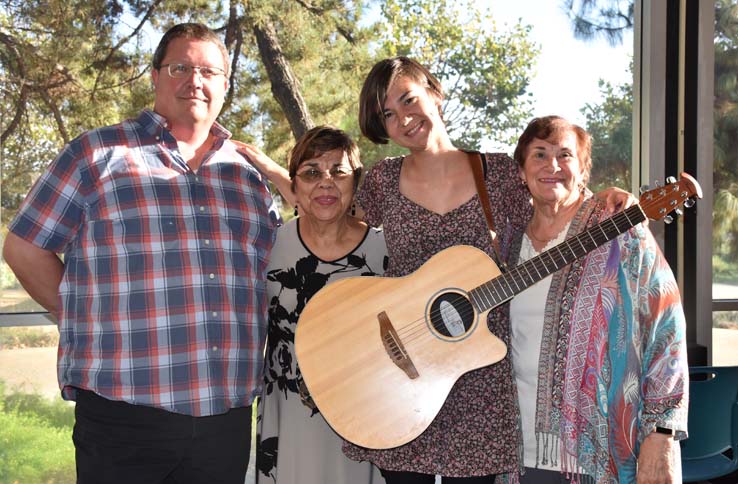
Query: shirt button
212, 276
215, 348
215, 314
207, 241
202, 209
197, 178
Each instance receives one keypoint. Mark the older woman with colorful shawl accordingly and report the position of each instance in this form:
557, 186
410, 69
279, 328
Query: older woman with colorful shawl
598, 348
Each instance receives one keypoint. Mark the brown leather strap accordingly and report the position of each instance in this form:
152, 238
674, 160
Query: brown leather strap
476, 160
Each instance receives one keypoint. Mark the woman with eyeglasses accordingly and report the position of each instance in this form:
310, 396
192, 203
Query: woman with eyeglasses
325, 242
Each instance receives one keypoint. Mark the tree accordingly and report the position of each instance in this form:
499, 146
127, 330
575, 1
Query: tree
610, 123
725, 180
610, 18
485, 72
68, 66
600, 18
51, 91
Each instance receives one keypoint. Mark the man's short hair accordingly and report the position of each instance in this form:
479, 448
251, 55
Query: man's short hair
193, 31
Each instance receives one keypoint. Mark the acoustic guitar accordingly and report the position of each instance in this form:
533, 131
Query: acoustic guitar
379, 355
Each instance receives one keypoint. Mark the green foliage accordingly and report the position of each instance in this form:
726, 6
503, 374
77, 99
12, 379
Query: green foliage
592, 18
725, 227
724, 271
35, 439
726, 96
85, 64
485, 71
611, 125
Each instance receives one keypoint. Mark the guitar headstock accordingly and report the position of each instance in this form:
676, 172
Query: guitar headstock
658, 203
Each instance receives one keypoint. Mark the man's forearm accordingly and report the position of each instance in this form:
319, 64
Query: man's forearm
39, 271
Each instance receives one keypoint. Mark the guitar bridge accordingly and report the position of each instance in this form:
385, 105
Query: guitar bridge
394, 347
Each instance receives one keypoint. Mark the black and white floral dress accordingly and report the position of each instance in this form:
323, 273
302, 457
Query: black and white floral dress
294, 443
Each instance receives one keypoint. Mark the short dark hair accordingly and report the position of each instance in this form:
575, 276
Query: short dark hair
320, 140
374, 92
547, 126
192, 31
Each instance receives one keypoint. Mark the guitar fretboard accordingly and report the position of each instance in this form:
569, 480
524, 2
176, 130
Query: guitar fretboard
504, 287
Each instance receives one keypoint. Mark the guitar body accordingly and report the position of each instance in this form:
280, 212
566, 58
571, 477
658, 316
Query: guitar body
380, 355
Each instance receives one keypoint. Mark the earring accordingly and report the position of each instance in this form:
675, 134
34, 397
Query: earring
295, 212
524, 183
353, 209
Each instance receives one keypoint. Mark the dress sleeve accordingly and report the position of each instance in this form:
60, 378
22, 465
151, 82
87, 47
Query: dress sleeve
509, 197
370, 195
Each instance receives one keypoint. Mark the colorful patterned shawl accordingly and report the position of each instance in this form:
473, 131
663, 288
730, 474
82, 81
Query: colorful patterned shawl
613, 360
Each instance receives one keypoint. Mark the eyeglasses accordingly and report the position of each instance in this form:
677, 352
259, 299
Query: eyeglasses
179, 71
312, 175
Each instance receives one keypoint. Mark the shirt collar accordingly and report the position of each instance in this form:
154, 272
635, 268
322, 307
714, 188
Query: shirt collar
154, 124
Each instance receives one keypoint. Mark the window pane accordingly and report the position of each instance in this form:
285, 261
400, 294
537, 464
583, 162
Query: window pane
13, 298
725, 174
724, 338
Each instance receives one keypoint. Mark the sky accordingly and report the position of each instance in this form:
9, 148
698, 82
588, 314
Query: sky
567, 73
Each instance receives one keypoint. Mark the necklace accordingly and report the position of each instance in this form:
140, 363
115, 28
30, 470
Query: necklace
530, 234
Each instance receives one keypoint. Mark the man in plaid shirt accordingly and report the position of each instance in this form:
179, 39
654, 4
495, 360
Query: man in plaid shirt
160, 296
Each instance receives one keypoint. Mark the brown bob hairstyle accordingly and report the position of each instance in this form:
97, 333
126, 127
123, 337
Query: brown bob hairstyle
320, 140
548, 127
374, 92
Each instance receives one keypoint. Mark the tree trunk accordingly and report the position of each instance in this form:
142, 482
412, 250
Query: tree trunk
285, 87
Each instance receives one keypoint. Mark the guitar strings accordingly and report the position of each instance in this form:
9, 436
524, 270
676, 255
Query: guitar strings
417, 329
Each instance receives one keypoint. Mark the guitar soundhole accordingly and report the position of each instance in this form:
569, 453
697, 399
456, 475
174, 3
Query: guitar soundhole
451, 315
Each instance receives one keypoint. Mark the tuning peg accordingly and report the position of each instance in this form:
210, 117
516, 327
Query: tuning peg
657, 184
689, 203
678, 211
644, 189
668, 219
670, 180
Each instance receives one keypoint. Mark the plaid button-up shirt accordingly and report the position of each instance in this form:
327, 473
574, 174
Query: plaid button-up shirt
163, 299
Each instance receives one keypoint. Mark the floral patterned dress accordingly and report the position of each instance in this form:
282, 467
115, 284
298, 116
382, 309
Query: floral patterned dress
475, 433
294, 443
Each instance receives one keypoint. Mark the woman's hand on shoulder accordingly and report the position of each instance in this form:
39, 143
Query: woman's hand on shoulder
276, 173
616, 199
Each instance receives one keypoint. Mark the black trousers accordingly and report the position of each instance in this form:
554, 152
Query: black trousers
401, 477
116, 442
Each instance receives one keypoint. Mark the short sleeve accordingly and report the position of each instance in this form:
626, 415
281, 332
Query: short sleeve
504, 177
52, 212
369, 195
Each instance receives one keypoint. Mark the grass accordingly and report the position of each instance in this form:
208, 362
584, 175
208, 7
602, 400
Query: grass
724, 271
28, 337
35, 439
725, 319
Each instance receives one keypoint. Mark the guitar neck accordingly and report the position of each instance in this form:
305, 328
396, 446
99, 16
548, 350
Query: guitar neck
504, 287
